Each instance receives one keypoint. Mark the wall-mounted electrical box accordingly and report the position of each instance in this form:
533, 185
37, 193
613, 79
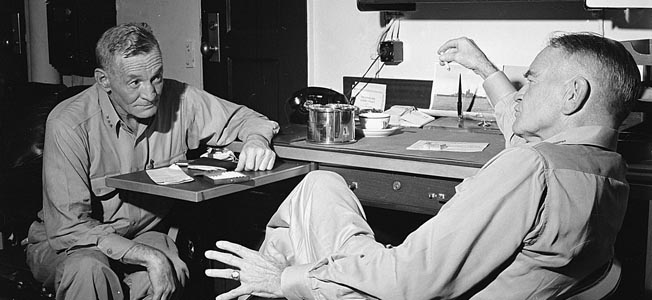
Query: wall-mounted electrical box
391, 52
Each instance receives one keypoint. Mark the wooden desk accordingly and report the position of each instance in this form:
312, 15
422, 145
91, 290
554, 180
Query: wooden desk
383, 173
389, 153
201, 190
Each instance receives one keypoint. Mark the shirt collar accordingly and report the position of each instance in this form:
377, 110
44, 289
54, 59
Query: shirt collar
599, 136
109, 114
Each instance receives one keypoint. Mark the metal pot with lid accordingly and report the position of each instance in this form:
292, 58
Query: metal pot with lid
331, 123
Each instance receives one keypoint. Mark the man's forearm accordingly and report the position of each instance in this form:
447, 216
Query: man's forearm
143, 255
485, 69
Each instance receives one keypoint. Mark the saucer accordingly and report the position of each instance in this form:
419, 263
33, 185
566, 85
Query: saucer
380, 132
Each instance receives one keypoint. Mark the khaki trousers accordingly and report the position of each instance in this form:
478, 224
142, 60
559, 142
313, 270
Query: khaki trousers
320, 217
89, 274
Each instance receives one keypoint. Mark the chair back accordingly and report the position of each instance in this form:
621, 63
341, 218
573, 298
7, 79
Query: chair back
602, 287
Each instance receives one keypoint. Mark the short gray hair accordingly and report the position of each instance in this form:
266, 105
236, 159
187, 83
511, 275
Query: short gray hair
128, 39
613, 64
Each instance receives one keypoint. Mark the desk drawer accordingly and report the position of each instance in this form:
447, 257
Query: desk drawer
401, 191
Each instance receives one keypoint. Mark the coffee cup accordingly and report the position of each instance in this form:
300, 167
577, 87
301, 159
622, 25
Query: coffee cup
373, 120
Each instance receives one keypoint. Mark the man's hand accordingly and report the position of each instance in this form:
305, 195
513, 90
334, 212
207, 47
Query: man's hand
259, 275
256, 155
466, 53
161, 272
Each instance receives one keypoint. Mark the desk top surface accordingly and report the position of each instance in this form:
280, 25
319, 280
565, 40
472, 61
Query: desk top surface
380, 153
202, 189
390, 153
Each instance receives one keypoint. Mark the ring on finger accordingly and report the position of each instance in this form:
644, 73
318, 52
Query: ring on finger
235, 275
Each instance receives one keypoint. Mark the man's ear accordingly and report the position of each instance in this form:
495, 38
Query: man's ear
578, 90
102, 78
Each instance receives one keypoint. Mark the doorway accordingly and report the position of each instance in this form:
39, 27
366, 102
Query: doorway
255, 52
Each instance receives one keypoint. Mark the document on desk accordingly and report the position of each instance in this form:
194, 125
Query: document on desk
407, 116
170, 175
447, 146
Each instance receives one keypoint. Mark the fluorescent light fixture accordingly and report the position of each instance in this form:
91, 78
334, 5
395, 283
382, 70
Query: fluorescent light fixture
619, 3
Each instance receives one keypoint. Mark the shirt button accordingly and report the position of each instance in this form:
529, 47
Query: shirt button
109, 251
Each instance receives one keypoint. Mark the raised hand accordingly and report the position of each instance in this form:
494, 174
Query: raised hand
465, 52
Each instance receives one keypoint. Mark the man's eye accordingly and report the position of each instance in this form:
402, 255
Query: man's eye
157, 79
134, 83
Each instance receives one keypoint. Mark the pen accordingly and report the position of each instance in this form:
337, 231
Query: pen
459, 98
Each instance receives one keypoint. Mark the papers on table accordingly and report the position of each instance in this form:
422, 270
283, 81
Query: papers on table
170, 175
407, 116
448, 146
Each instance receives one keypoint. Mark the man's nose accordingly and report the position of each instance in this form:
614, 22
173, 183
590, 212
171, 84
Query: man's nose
148, 92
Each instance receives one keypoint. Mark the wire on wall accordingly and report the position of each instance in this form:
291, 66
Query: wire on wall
366, 82
383, 37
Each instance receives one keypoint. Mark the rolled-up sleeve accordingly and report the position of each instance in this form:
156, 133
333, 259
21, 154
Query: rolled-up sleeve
219, 122
67, 208
473, 235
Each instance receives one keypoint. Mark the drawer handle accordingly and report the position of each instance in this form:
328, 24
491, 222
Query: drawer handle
396, 185
440, 197
353, 186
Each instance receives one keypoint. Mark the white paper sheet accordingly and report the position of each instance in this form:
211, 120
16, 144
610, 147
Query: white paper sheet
407, 116
447, 146
170, 175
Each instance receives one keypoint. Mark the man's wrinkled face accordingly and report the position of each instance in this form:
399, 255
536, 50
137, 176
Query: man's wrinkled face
537, 111
136, 83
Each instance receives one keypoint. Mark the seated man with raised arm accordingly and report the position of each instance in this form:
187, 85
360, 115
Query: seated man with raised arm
538, 218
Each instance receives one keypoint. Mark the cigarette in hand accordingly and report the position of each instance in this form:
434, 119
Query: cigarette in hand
448, 67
